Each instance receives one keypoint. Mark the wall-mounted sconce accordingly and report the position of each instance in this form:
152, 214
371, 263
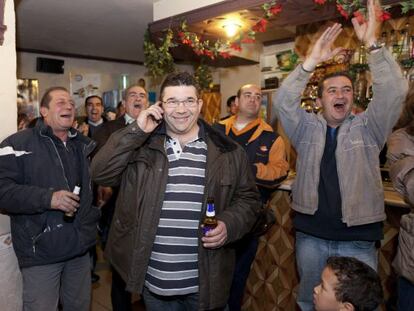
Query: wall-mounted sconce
2, 26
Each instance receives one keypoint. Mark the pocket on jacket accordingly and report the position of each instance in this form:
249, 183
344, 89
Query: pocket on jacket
56, 241
358, 138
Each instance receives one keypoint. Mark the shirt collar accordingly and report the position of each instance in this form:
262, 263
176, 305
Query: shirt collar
201, 131
128, 119
95, 123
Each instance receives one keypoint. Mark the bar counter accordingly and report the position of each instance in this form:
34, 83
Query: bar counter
273, 280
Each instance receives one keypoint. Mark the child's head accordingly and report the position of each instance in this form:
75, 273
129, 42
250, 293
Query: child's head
347, 284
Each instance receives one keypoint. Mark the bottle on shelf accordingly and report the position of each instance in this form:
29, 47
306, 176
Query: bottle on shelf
361, 86
209, 221
405, 43
384, 39
393, 44
362, 55
70, 216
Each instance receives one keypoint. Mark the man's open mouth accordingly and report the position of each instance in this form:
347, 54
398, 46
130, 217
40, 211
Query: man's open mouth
339, 106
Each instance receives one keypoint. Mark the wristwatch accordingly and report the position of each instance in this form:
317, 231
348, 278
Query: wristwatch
373, 47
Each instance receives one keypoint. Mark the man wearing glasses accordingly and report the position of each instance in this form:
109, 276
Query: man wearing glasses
167, 164
135, 100
266, 152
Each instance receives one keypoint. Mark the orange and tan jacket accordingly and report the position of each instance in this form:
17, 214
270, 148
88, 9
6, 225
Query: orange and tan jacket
265, 149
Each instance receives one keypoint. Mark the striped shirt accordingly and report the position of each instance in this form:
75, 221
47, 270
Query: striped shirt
173, 265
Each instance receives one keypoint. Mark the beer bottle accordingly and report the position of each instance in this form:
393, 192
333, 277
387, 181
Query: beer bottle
70, 216
209, 221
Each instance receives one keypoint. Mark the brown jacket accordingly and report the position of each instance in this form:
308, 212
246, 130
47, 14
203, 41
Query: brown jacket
138, 163
401, 158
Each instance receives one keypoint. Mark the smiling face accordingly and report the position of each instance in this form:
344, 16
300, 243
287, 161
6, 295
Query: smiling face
181, 121
324, 294
249, 101
60, 113
136, 100
94, 109
337, 99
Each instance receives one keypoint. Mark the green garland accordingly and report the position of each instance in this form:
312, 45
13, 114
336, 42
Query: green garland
204, 77
159, 60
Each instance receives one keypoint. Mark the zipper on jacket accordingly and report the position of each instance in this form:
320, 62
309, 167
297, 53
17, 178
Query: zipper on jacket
60, 160
45, 230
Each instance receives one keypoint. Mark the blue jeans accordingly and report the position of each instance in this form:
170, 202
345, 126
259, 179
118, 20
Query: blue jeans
154, 302
311, 256
405, 295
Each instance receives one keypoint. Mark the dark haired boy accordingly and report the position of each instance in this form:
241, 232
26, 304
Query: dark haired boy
347, 284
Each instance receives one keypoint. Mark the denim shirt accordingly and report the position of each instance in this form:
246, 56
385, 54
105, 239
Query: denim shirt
359, 142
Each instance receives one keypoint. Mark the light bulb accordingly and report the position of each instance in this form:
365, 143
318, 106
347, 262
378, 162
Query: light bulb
231, 29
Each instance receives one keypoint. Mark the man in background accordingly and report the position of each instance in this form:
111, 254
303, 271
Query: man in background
267, 157
231, 107
94, 115
135, 100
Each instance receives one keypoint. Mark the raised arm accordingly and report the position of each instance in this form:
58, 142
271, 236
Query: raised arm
287, 99
389, 86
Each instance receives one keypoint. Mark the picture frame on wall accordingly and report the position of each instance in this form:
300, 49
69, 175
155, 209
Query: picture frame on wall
286, 60
27, 101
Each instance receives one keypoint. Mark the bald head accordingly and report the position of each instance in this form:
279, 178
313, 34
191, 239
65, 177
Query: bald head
249, 99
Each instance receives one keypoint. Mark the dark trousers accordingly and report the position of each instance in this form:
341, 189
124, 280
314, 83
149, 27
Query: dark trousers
405, 295
121, 299
245, 252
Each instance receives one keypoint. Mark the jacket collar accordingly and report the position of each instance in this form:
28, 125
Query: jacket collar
261, 126
46, 130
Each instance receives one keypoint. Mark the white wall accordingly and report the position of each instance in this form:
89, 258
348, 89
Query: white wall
166, 8
8, 75
110, 72
8, 115
232, 78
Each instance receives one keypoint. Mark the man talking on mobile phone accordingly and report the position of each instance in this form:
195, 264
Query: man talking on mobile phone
167, 163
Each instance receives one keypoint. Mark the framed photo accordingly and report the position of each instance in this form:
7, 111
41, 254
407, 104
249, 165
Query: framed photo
286, 60
27, 101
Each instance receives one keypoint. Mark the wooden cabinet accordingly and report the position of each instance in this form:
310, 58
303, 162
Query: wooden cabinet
211, 106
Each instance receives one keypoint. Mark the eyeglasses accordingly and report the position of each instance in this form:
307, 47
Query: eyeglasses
249, 96
174, 103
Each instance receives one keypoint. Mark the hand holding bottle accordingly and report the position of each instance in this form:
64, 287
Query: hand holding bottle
65, 201
216, 237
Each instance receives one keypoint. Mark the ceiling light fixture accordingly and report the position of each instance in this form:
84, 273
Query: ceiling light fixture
231, 29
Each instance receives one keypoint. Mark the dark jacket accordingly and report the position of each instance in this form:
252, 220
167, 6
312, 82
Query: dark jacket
102, 134
137, 162
30, 171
